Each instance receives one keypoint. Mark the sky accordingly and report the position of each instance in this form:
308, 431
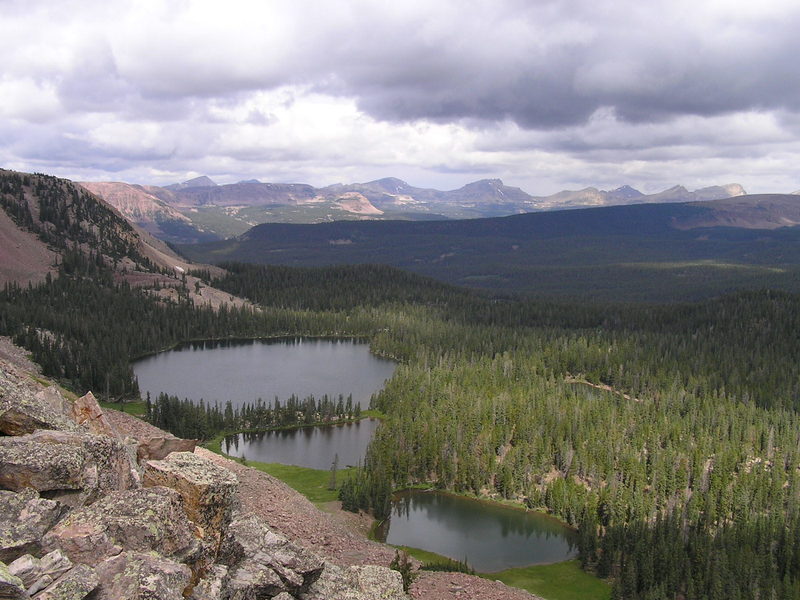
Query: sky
546, 95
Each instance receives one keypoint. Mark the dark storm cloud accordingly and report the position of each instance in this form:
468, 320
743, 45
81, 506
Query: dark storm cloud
647, 64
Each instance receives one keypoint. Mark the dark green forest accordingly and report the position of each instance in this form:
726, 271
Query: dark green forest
617, 253
666, 434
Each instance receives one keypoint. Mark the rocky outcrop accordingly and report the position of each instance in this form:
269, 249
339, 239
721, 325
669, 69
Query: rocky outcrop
87, 412
159, 447
74, 585
11, 586
85, 513
143, 520
86, 464
24, 412
207, 491
366, 582
138, 575
260, 561
38, 574
24, 519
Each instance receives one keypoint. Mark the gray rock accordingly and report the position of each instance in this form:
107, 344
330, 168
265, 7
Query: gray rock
82, 465
133, 575
144, 520
24, 519
24, 411
29, 463
38, 573
213, 585
87, 412
158, 448
74, 585
11, 586
261, 561
369, 582
208, 491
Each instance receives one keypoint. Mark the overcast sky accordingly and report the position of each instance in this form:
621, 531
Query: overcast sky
546, 95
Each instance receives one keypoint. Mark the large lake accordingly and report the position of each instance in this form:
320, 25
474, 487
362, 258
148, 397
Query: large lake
489, 536
244, 371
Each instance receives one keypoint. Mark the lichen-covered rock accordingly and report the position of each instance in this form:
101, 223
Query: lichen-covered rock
11, 586
87, 412
213, 585
39, 573
24, 519
29, 463
208, 491
74, 585
368, 582
143, 520
23, 410
263, 561
159, 447
133, 576
81, 464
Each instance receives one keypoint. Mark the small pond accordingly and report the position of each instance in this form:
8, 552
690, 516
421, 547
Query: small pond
312, 447
489, 536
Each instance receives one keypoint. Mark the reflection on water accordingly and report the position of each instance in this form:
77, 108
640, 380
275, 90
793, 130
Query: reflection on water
244, 371
490, 537
312, 447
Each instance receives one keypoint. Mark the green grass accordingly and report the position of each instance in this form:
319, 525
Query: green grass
312, 483
559, 581
137, 409
423, 556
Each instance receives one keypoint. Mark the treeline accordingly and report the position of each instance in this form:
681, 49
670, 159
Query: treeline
66, 216
84, 328
204, 420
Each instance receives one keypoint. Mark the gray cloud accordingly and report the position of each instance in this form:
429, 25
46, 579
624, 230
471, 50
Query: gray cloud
545, 92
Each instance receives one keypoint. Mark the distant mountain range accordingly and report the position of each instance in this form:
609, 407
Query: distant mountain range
676, 251
200, 210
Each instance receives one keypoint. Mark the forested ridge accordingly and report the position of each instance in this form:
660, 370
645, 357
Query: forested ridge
682, 478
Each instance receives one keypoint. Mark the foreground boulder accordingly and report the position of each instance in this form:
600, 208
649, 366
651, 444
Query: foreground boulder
207, 490
74, 585
37, 574
159, 447
262, 563
144, 520
136, 575
24, 519
367, 582
87, 412
11, 586
83, 465
24, 412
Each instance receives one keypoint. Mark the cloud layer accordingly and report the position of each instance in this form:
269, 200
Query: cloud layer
546, 94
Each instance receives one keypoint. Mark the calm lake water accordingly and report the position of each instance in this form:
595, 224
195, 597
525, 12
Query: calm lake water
244, 371
312, 447
491, 537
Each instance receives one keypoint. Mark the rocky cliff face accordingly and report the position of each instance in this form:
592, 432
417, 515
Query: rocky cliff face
88, 513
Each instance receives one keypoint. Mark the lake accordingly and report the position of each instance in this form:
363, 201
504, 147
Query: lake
312, 447
489, 536
243, 371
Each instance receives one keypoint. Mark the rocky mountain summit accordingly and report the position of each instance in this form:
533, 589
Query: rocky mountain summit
86, 511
